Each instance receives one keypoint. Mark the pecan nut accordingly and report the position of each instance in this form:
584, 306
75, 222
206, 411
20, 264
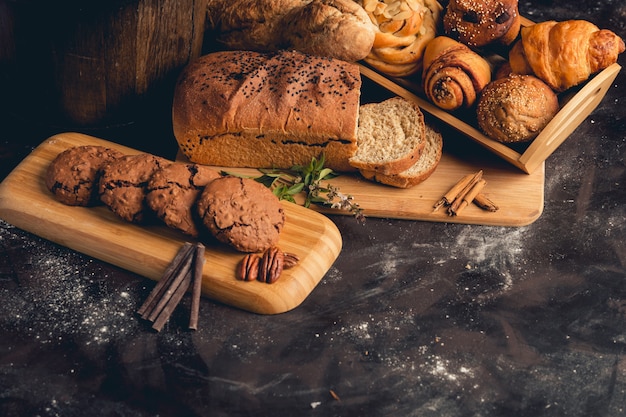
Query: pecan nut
248, 268
290, 260
271, 266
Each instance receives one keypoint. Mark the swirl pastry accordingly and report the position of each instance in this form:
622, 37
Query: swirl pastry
454, 75
404, 28
564, 54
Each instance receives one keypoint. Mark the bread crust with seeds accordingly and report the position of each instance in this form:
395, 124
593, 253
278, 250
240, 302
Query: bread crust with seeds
273, 110
516, 108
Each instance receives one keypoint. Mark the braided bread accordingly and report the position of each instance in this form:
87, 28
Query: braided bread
404, 28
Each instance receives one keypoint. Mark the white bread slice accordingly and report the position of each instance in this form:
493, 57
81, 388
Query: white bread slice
420, 171
390, 136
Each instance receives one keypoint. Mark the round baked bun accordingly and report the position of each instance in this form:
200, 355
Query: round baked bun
516, 108
242, 213
477, 23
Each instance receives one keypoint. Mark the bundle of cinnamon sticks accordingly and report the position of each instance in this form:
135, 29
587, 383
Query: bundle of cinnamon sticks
465, 192
183, 272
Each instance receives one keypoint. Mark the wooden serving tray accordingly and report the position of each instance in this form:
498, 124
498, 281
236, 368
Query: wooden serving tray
574, 109
576, 105
26, 203
518, 195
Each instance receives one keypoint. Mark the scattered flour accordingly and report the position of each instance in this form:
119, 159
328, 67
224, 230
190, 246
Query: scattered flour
68, 297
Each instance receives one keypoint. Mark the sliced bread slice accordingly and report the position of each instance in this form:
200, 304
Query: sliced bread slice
420, 171
390, 136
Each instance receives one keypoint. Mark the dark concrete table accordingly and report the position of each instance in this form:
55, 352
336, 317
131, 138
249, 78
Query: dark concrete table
413, 319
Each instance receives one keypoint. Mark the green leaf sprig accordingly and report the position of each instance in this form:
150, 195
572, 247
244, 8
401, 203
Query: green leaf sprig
307, 179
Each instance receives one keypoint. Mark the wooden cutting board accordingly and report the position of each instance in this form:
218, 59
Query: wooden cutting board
26, 203
519, 196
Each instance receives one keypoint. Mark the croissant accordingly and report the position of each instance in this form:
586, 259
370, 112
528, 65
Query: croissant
403, 29
453, 75
564, 54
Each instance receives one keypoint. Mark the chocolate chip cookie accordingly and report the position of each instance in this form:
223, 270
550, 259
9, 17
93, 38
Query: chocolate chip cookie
73, 175
124, 184
242, 213
173, 191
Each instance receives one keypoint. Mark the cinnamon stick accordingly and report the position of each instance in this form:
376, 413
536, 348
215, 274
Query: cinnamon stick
157, 292
450, 196
175, 283
485, 203
177, 294
186, 268
197, 286
454, 207
467, 198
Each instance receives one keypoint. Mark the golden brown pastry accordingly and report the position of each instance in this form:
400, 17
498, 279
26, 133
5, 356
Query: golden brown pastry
477, 23
335, 28
454, 75
516, 108
404, 28
564, 54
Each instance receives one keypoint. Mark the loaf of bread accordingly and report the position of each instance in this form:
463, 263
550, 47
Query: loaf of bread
564, 54
420, 171
272, 110
390, 136
335, 28
516, 108
478, 23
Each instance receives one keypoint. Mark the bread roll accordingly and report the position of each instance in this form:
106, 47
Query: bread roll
390, 136
516, 108
477, 23
273, 110
335, 28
